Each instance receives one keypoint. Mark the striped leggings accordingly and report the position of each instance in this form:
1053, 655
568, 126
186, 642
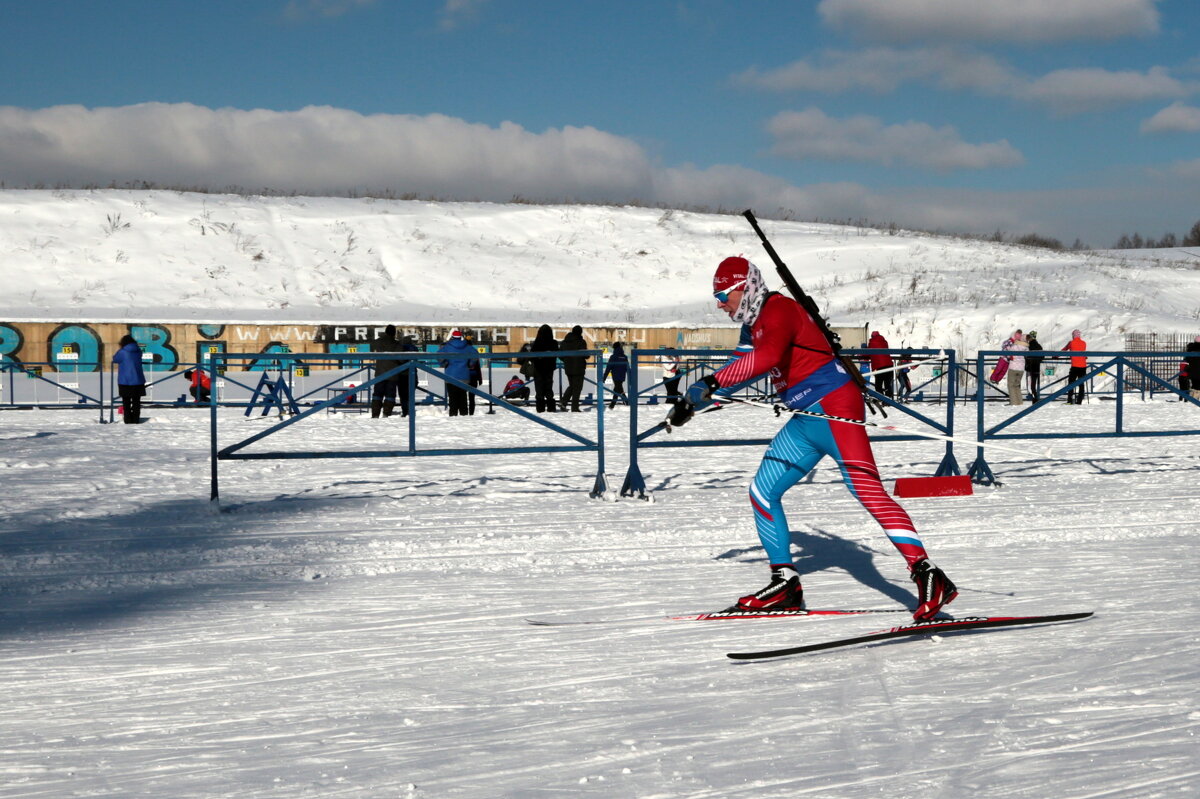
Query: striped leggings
793, 453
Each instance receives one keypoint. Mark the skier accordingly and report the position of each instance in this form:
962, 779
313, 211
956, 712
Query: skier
780, 338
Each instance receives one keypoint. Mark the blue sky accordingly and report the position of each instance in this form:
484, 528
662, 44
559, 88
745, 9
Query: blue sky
1071, 118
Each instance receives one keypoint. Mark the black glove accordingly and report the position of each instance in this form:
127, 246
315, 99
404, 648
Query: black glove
698, 395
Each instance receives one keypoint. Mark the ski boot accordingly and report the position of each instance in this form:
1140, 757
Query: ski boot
933, 587
783, 593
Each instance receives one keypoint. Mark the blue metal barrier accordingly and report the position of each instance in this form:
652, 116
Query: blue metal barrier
35, 371
410, 362
1106, 364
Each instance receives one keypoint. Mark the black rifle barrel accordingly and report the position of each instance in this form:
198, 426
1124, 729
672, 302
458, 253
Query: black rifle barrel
789, 280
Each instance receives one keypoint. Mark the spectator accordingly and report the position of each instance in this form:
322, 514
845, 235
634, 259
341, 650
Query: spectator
458, 369
1015, 376
669, 362
905, 382
618, 368
407, 381
1033, 365
516, 389
1078, 367
526, 365
574, 366
131, 380
475, 379
383, 393
543, 375
881, 360
201, 384
1193, 366
1185, 384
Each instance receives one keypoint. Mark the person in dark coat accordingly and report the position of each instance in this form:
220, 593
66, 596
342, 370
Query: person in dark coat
131, 380
459, 369
1193, 366
1033, 365
476, 379
903, 380
407, 380
617, 368
383, 393
574, 366
526, 364
543, 375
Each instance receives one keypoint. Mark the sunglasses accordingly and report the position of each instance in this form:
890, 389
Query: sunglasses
723, 296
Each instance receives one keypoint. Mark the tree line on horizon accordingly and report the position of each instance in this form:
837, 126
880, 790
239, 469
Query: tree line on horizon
1136, 242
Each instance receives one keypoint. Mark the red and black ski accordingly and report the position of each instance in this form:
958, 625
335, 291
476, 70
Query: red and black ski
728, 613
919, 628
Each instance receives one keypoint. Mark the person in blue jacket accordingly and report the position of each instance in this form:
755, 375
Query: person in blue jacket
131, 380
459, 369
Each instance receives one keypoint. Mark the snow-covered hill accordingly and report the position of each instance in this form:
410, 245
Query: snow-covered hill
167, 256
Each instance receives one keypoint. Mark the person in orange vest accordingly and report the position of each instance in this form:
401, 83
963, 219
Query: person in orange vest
1078, 367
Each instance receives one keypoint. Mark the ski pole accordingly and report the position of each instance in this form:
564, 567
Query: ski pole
861, 423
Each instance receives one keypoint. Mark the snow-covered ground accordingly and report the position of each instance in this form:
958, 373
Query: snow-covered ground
355, 628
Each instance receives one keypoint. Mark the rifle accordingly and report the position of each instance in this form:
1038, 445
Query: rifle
808, 304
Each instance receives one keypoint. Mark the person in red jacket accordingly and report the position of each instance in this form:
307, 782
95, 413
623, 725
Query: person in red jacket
780, 339
884, 383
201, 384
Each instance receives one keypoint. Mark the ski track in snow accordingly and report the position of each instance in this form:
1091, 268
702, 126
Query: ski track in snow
355, 628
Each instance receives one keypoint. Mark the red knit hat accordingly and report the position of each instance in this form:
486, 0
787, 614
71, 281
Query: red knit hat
730, 272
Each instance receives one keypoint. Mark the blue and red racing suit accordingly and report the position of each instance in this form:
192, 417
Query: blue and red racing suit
786, 344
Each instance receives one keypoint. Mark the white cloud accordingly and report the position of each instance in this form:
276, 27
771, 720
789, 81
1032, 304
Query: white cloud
883, 70
314, 150
1188, 170
1078, 90
301, 10
812, 134
457, 13
1027, 21
1175, 118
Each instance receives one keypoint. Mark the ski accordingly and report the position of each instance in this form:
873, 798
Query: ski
919, 628
728, 613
